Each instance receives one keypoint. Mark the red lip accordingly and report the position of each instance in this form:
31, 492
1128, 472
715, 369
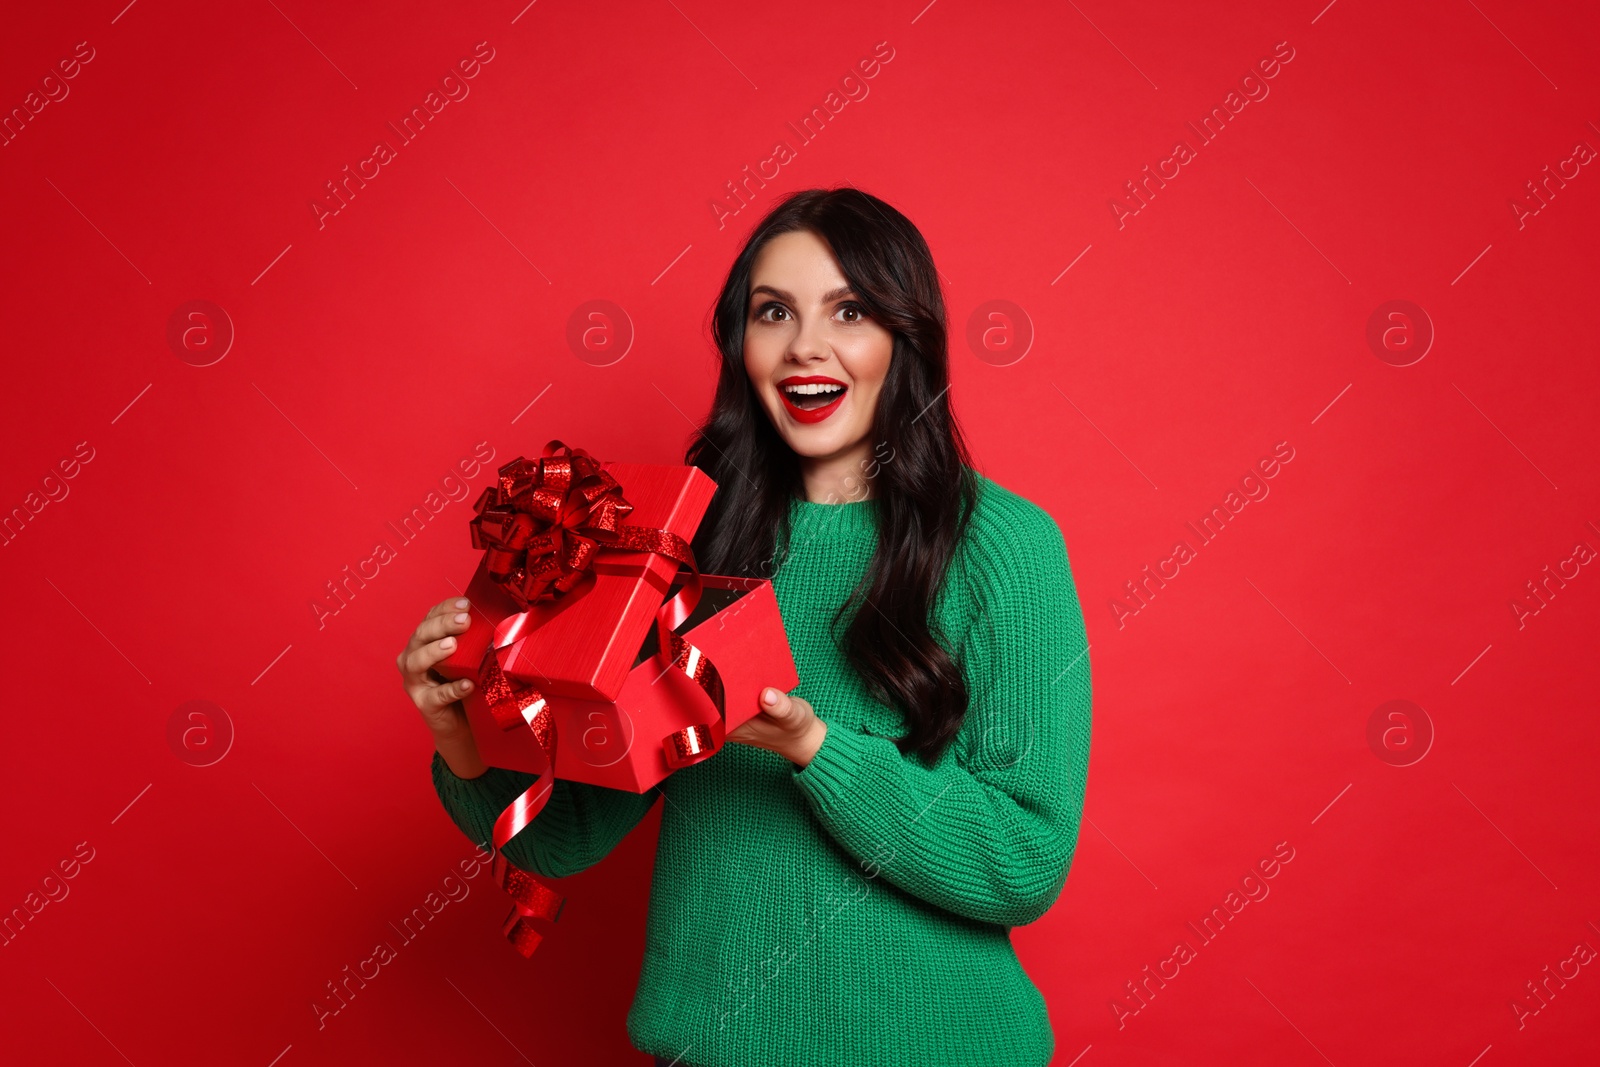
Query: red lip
800, 414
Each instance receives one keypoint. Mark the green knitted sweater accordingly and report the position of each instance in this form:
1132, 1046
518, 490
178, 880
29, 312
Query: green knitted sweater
858, 910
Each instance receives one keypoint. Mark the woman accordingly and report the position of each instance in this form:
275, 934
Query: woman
838, 886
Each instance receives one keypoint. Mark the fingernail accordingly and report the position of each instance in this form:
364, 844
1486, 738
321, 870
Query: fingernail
465, 686
448, 642
461, 603
463, 617
769, 696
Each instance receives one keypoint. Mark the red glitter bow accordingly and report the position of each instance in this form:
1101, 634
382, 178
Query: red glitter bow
541, 529
541, 526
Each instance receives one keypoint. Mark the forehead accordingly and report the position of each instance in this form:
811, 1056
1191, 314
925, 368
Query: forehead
799, 263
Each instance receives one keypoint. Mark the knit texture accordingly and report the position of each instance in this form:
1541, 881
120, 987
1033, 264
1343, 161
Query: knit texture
858, 911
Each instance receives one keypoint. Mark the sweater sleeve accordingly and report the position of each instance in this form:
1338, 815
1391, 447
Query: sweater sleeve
988, 832
577, 828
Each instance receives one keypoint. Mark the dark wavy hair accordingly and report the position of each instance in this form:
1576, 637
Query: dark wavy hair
924, 489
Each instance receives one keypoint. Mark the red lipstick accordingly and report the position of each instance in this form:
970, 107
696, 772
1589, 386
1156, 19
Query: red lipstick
811, 415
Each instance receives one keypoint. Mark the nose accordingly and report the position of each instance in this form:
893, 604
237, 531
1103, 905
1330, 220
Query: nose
807, 345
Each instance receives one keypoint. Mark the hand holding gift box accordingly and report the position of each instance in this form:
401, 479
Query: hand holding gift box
572, 679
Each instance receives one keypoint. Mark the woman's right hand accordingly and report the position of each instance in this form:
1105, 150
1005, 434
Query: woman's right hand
438, 699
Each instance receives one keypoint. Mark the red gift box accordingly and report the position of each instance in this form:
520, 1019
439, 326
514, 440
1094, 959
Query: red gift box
584, 642
591, 653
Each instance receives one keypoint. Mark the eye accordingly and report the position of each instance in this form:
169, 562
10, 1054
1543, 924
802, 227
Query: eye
853, 308
771, 305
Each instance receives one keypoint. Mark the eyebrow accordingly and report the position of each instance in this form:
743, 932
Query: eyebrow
827, 298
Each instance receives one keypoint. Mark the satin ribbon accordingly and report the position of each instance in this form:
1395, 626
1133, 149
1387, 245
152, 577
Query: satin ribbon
542, 528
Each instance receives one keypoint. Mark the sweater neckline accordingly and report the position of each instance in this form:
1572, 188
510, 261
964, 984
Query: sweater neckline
849, 519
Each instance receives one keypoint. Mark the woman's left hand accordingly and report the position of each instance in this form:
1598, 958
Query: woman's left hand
786, 725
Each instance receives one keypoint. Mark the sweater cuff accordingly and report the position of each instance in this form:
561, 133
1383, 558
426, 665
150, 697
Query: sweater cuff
826, 779
484, 796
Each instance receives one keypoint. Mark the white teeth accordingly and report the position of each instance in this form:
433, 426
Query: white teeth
809, 390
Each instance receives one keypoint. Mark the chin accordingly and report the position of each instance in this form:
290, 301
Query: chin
809, 447
819, 445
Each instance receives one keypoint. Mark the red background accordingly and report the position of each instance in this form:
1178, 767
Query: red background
1228, 315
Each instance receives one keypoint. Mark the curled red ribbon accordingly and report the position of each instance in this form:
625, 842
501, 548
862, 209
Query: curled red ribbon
541, 528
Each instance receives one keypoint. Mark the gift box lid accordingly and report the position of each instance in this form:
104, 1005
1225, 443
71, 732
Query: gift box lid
585, 648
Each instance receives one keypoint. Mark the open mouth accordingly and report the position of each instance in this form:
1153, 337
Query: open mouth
811, 399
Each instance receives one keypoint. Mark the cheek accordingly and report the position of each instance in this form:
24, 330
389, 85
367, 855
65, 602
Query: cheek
760, 357
867, 410
759, 371
869, 359
869, 366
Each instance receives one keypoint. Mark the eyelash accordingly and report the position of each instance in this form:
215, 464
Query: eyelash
762, 312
